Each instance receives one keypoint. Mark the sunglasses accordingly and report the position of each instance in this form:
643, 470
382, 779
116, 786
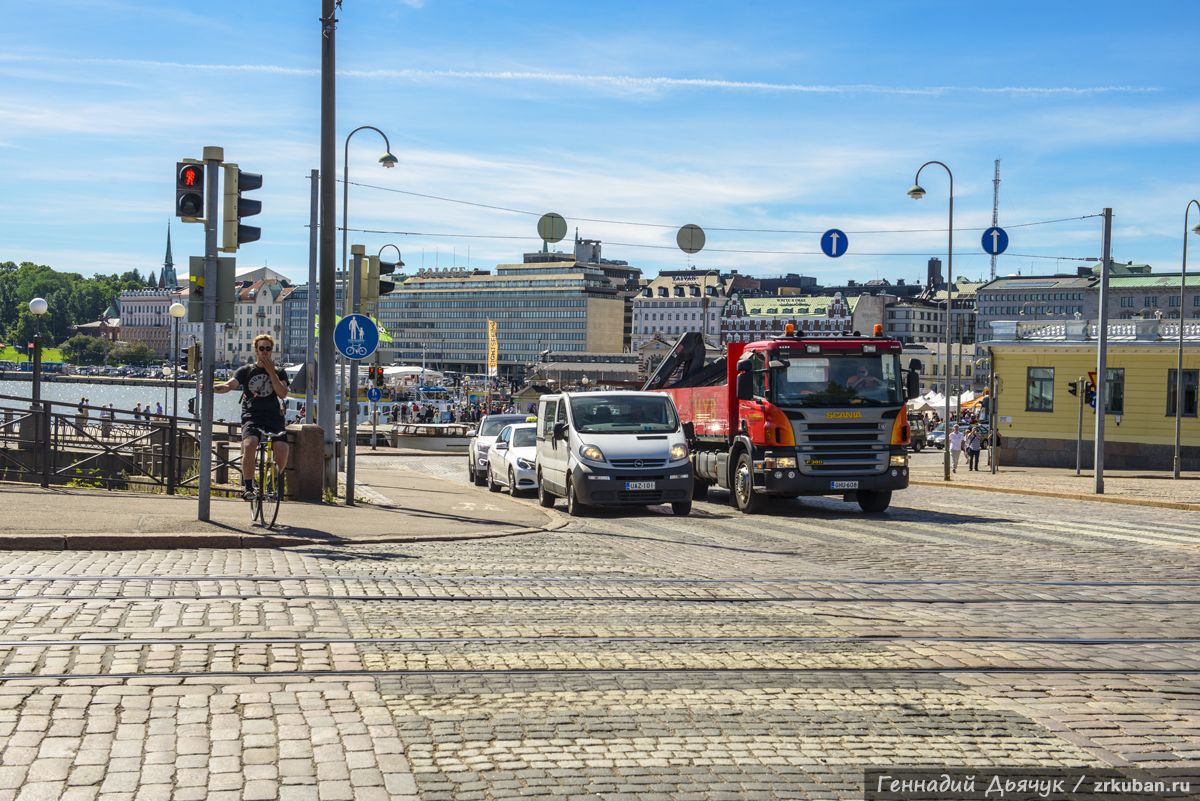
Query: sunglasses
268, 349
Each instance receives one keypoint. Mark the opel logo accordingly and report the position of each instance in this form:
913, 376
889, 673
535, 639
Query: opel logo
639, 463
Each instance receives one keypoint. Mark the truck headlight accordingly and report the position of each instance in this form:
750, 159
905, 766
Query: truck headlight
898, 460
678, 452
780, 462
591, 453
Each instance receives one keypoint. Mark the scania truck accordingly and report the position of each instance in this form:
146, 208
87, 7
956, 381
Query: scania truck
794, 415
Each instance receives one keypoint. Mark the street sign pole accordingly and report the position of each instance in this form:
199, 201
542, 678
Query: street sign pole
310, 373
213, 156
1102, 349
351, 405
1082, 392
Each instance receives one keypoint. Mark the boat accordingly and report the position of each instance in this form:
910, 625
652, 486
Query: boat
440, 437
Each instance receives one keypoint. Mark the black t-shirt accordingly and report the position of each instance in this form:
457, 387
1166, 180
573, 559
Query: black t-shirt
259, 401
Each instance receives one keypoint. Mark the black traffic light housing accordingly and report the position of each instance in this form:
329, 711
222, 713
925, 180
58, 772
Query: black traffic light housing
1091, 396
387, 285
192, 406
377, 372
233, 233
189, 191
1073, 388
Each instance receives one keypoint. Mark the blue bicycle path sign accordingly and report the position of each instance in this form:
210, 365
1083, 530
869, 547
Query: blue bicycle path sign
356, 336
374, 395
995, 241
834, 243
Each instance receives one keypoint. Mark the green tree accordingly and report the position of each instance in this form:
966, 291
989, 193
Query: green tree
135, 353
85, 349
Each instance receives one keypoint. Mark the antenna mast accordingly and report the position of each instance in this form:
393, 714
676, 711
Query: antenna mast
995, 210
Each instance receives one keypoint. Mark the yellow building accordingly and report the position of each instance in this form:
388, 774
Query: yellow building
1037, 416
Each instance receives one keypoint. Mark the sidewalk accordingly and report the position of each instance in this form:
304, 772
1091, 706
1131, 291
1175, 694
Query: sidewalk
1136, 487
396, 505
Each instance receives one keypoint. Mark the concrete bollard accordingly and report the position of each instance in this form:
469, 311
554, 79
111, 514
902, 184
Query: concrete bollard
306, 463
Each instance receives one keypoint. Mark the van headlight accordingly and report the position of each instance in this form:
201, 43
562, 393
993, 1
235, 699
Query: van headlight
591, 453
678, 452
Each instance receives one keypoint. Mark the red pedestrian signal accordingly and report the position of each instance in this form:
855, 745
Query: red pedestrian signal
189, 191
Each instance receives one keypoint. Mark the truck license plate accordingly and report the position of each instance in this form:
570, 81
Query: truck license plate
639, 485
843, 485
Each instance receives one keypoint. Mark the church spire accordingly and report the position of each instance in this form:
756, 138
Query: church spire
167, 279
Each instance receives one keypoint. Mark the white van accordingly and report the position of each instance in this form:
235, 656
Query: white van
612, 449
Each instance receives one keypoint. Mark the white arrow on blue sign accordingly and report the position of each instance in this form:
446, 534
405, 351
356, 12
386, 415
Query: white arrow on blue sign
356, 336
374, 395
995, 241
834, 243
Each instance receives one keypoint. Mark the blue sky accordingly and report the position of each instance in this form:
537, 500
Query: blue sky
789, 116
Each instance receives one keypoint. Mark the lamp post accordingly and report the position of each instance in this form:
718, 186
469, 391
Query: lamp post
387, 160
1026, 305
177, 311
916, 193
1179, 354
38, 307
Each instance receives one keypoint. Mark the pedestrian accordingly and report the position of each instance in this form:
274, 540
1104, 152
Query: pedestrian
955, 443
158, 409
973, 445
81, 415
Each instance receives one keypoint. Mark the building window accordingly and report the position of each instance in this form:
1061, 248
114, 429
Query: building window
1114, 391
1191, 378
1039, 392
1127, 302
1173, 301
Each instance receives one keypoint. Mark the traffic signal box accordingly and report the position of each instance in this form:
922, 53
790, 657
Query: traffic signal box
373, 282
189, 191
1073, 388
375, 373
233, 233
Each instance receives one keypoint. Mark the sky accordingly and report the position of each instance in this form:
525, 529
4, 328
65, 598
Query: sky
765, 123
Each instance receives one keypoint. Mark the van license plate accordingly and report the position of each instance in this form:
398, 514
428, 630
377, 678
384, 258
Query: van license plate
843, 485
639, 485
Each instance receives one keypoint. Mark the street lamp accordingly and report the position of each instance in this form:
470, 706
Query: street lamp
1026, 305
1179, 354
916, 193
177, 310
38, 307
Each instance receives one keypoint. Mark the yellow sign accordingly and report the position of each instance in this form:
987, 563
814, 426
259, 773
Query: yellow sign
493, 356
843, 415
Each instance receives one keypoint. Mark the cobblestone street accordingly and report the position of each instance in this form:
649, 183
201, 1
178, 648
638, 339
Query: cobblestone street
625, 655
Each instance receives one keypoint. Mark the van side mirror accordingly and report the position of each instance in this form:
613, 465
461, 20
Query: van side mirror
745, 386
689, 430
916, 366
560, 430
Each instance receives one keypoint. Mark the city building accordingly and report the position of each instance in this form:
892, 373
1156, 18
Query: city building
1147, 295
297, 322
677, 301
746, 319
1037, 297
569, 305
145, 318
257, 310
1038, 416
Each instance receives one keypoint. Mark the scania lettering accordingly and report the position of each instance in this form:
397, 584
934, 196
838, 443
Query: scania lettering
794, 415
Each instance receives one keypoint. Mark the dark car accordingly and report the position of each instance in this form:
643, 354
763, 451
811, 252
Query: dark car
919, 433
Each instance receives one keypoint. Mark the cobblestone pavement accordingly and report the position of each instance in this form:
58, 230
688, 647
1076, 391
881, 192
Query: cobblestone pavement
628, 655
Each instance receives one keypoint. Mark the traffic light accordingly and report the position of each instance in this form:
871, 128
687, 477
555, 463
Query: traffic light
192, 406
189, 191
385, 286
1091, 395
233, 233
196, 296
1073, 388
377, 375
193, 357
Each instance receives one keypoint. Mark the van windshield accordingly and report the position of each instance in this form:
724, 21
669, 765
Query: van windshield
623, 414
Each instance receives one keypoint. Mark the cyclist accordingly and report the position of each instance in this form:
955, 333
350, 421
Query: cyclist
262, 386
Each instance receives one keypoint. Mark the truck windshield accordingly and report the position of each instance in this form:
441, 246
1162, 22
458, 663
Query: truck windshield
852, 379
623, 414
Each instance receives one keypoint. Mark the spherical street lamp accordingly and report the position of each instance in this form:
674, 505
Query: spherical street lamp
38, 307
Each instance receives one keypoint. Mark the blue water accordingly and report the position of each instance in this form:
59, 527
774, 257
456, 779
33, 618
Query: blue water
123, 396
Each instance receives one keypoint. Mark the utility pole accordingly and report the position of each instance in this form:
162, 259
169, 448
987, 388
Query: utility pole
995, 210
213, 156
310, 377
1102, 349
326, 396
1081, 391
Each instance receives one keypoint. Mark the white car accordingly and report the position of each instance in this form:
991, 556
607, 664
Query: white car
477, 450
510, 459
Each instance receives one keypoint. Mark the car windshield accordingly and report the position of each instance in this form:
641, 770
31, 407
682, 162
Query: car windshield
623, 414
524, 437
853, 379
494, 422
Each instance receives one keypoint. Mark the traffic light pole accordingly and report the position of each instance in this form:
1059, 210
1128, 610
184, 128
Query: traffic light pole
1081, 392
1102, 349
351, 405
213, 156
326, 394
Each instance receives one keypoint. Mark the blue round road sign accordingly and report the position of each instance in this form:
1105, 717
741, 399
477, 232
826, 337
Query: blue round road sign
834, 243
995, 241
374, 395
356, 336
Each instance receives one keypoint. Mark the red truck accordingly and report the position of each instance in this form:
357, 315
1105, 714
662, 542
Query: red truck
794, 415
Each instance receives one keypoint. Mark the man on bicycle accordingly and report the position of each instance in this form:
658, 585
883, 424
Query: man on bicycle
263, 387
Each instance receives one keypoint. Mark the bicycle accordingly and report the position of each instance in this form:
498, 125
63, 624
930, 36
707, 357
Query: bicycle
268, 490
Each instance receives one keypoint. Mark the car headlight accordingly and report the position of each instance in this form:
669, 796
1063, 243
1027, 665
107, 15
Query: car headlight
678, 452
524, 464
591, 453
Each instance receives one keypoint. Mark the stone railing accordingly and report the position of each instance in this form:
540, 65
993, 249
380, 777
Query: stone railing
1088, 330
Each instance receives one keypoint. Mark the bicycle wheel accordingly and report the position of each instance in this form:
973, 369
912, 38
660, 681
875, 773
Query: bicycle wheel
257, 506
272, 494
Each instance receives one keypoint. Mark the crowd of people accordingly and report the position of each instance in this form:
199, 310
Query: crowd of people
461, 412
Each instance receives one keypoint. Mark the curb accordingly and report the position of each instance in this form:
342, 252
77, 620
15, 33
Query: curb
1073, 496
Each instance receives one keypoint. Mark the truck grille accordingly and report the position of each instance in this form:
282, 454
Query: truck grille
847, 447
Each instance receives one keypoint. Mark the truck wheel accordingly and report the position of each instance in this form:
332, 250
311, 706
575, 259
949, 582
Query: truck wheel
874, 501
545, 499
574, 507
699, 490
744, 496
681, 508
